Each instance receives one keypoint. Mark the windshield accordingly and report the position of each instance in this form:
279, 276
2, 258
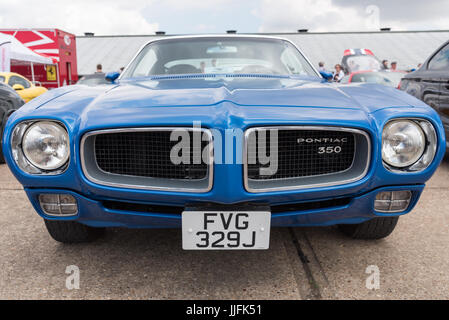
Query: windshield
219, 56
2, 79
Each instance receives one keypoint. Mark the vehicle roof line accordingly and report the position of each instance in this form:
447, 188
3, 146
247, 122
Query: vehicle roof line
263, 34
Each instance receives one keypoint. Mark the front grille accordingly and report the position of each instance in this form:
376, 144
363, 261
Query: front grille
143, 208
146, 154
312, 205
297, 157
146, 158
177, 210
302, 153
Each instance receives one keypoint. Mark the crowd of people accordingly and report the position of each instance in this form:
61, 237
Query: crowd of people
338, 73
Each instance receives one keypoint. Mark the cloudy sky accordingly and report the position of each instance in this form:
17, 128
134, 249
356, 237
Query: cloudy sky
108, 17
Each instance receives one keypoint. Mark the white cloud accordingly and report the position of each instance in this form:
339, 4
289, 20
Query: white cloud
98, 16
195, 4
131, 17
405, 14
352, 15
315, 15
201, 28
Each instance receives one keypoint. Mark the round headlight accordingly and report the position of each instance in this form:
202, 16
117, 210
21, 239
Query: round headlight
403, 143
46, 145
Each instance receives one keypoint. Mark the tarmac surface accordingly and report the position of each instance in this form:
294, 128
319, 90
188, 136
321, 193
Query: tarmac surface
302, 263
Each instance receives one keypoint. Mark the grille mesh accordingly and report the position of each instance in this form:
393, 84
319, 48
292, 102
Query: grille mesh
301, 159
145, 154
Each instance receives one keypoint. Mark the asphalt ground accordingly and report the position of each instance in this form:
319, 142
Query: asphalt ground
302, 263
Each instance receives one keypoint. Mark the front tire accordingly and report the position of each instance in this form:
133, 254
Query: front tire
5, 106
376, 228
72, 231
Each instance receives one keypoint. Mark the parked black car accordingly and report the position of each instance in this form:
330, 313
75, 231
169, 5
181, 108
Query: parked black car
430, 83
9, 101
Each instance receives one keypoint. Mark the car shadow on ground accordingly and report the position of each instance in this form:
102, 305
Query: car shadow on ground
153, 260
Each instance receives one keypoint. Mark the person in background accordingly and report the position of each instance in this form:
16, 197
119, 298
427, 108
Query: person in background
414, 69
99, 68
385, 64
393, 66
321, 66
214, 68
338, 74
203, 67
121, 69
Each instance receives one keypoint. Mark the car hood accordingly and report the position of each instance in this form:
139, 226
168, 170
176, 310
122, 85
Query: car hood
254, 91
169, 98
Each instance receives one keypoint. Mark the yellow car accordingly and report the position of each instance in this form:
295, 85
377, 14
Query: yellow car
24, 87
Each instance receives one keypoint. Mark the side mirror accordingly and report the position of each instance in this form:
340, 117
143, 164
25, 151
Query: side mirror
112, 76
18, 87
327, 75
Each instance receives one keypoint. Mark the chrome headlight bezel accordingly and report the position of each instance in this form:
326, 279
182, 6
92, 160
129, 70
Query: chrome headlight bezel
429, 151
18, 154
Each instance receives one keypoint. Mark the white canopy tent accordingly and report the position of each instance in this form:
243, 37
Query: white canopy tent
12, 49
5, 54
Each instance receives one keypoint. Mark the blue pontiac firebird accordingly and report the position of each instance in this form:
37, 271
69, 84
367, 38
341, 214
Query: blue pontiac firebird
224, 137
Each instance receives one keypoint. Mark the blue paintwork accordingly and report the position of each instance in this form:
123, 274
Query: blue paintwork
112, 76
223, 102
326, 75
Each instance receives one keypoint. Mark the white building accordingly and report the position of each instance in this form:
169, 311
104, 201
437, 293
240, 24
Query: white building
408, 48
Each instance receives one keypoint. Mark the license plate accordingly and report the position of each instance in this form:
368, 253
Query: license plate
225, 230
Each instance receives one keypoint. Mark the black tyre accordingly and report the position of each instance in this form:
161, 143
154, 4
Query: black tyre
72, 232
376, 228
2, 159
4, 108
